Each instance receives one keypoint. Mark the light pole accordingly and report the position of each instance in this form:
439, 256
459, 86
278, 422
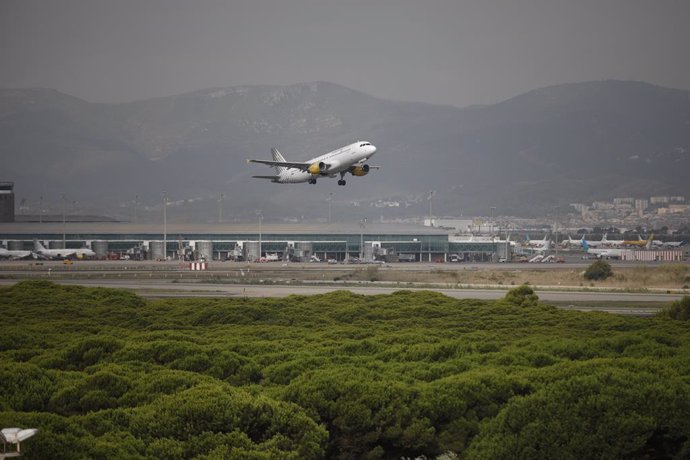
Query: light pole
136, 202
220, 208
555, 220
165, 226
431, 213
40, 211
493, 208
261, 217
64, 204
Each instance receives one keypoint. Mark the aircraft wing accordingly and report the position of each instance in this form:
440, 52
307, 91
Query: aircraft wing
267, 177
283, 164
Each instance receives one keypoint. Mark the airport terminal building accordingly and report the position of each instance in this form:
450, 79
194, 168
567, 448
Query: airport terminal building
243, 242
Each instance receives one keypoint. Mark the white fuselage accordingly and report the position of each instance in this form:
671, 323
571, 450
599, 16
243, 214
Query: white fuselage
52, 253
592, 243
607, 242
84, 252
537, 243
605, 253
602, 253
14, 254
56, 253
337, 161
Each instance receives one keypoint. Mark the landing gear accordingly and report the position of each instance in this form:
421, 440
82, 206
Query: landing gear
341, 182
312, 181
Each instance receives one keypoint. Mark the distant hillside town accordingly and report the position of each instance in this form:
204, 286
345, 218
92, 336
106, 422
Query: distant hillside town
655, 211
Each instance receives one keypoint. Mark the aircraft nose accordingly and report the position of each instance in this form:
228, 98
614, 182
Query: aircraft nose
372, 149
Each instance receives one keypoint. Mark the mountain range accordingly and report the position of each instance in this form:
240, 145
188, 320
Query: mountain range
574, 142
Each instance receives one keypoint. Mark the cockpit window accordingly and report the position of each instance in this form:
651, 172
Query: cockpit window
366, 143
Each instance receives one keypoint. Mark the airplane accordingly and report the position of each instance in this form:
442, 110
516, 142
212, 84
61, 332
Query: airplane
647, 244
540, 249
536, 243
638, 242
590, 243
672, 244
606, 241
84, 252
578, 243
602, 253
667, 244
52, 253
15, 254
349, 159
572, 242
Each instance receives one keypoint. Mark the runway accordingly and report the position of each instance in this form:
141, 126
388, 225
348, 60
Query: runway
153, 279
625, 302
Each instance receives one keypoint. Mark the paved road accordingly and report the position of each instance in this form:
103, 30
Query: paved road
98, 266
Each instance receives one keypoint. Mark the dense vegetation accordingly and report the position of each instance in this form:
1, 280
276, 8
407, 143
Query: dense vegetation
599, 270
105, 374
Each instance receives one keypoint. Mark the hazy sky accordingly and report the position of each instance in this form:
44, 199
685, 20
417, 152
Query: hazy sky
454, 52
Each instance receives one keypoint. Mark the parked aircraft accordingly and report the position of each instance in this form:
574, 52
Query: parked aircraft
667, 244
672, 244
638, 242
572, 242
647, 244
590, 243
52, 253
349, 159
84, 252
602, 253
607, 242
537, 243
540, 249
15, 254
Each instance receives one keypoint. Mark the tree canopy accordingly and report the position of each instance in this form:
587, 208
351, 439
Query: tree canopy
106, 374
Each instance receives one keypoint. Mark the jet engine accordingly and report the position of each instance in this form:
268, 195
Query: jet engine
360, 170
316, 168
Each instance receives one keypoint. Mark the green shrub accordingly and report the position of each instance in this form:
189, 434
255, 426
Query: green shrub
680, 309
599, 270
596, 412
522, 295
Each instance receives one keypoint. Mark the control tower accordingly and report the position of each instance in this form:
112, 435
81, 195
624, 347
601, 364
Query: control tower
6, 201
